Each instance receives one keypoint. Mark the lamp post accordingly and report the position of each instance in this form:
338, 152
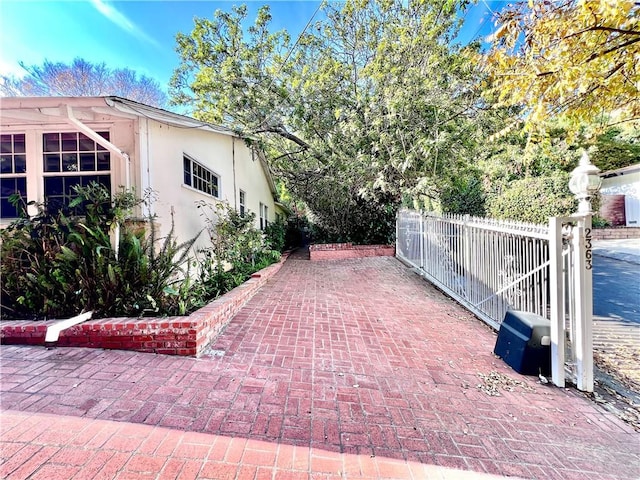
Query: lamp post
585, 183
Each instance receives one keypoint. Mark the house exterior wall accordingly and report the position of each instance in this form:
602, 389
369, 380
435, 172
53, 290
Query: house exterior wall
155, 149
226, 156
628, 185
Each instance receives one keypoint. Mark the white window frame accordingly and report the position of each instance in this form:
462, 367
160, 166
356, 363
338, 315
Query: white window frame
264, 216
199, 182
242, 202
13, 175
78, 152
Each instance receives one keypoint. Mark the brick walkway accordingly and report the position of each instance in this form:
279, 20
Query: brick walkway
346, 369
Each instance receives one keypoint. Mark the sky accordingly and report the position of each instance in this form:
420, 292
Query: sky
140, 34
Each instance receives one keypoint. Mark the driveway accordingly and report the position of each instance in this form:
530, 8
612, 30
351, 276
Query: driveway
335, 369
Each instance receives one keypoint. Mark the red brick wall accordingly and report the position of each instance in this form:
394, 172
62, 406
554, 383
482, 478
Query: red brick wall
612, 209
187, 335
616, 233
340, 251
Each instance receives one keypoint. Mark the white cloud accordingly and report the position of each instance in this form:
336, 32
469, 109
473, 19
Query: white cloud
122, 21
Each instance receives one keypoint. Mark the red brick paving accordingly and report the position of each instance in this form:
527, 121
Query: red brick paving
345, 369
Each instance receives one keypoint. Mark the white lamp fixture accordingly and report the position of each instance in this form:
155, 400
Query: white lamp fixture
585, 183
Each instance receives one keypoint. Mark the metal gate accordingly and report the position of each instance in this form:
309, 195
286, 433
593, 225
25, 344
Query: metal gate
491, 266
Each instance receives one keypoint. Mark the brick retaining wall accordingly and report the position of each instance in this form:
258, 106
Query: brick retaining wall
187, 335
615, 233
340, 251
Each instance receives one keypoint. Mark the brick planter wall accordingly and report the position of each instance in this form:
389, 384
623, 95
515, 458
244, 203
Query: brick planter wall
188, 335
340, 251
616, 233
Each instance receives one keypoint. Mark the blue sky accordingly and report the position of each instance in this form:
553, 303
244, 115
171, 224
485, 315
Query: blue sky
139, 34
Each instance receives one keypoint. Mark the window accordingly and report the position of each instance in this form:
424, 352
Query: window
201, 178
264, 216
13, 172
242, 203
71, 159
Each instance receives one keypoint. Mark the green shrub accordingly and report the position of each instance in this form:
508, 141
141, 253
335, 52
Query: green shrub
275, 235
56, 265
237, 250
533, 199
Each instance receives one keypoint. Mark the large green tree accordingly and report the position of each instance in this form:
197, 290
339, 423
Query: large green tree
372, 102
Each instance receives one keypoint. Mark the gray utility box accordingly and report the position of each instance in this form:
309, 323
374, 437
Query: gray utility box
524, 343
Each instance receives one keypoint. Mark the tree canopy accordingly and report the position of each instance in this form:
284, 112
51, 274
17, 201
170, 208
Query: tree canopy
82, 78
575, 61
372, 102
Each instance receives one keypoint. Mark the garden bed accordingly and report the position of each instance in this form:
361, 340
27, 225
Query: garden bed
340, 251
187, 335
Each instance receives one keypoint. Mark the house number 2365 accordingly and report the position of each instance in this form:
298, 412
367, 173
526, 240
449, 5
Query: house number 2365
588, 255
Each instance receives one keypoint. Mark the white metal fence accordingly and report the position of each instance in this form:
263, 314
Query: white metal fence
490, 266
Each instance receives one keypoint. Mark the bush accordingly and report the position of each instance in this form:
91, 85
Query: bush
533, 199
56, 264
237, 250
275, 235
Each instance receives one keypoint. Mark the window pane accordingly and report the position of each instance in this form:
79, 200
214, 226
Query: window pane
6, 209
5, 144
85, 144
6, 164
20, 163
69, 162
186, 165
7, 186
104, 161
69, 183
51, 142
104, 135
69, 142
104, 180
88, 162
52, 163
53, 186
18, 143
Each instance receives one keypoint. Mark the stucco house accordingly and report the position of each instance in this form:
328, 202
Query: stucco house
620, 191
49, 144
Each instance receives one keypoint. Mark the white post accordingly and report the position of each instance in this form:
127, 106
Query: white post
584, 183
556, 300
467, 256
584, 305
422, 249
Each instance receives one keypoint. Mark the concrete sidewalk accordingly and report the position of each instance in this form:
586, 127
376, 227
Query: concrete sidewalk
627, 250
337, 369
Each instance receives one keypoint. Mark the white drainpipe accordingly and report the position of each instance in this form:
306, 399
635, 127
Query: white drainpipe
67, 113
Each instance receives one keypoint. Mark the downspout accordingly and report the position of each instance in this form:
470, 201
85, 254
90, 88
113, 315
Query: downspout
233, 158
103, 142
67, 112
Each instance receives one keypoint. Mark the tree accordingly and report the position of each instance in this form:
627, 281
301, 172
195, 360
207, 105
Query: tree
571, 60
368, 104
82, 78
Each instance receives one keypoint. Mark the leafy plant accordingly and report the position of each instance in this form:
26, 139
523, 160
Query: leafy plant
57, 264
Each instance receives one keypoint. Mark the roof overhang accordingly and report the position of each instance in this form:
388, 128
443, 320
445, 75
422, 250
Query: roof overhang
621, 171
18, 111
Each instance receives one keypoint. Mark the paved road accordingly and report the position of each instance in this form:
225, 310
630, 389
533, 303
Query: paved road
616, 289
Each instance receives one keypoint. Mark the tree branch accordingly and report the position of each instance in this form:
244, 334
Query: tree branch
284, 134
